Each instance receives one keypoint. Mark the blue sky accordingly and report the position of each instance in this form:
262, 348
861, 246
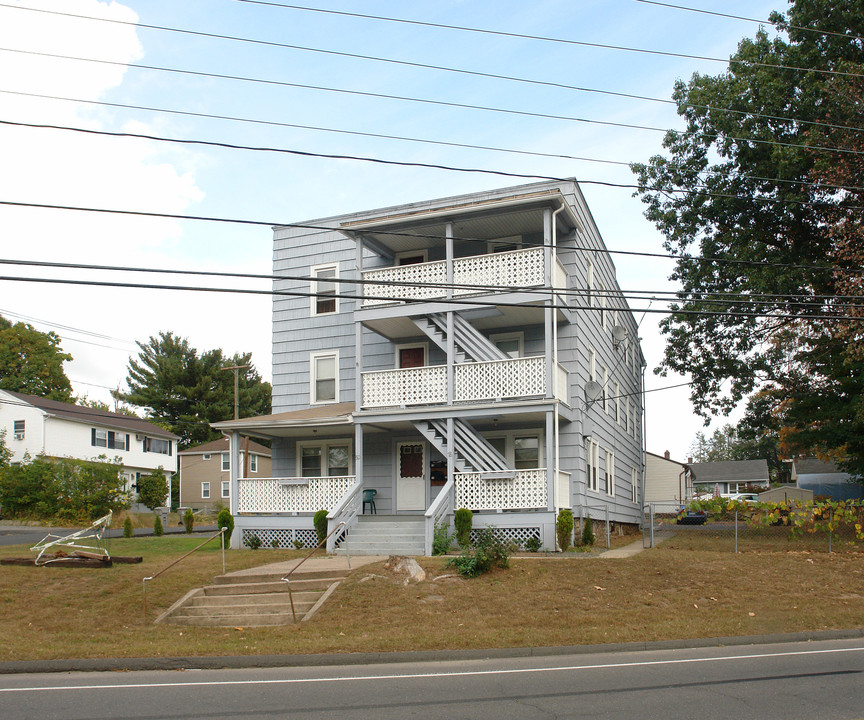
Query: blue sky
100, 325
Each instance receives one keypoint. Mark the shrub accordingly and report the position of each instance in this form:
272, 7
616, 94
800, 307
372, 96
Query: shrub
253, 542
226, 520
442, 539
127, 527
588, 532
463, 519
158, 530
489, 550
274, 543
564, 528
153, 489
533, 544
320, 523
188, 520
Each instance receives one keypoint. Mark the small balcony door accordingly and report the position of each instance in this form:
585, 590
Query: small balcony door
410, 476
411, 356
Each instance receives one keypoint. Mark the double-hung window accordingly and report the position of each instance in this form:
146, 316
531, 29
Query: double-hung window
609, 476
617, 402
253, 463
634, 486
18, 429
324, 372
157, 445
226, 462
109, 439
324, 459
592, 448
226, 488
325, 299
205, 490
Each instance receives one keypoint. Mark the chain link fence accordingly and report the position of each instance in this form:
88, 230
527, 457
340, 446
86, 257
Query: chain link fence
742, 527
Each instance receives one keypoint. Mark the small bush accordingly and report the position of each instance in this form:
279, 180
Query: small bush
188, 520
588, 532
274, 543
564, 528
320, 522
298, 544
127, 527
158, 530
442, 539
533, 544
253, 542
463, 519
489, 550
225, 519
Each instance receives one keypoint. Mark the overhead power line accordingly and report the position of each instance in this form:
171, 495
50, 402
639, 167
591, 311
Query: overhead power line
429, 66
403, 138
817, 31
543, 38
406, 163
406, 98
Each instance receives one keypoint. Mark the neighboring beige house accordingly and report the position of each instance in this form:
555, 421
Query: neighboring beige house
205, 477
665, 480
38, 426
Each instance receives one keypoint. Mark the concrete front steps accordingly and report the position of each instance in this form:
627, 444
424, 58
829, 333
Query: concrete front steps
387, 535
254, 600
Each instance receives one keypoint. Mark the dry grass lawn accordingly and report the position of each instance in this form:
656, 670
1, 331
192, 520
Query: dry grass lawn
675, 591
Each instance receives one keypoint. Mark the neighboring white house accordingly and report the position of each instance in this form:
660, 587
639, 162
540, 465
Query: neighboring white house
665, 480
38, 426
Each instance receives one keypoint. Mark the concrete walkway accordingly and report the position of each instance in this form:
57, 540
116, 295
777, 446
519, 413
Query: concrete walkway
313, 564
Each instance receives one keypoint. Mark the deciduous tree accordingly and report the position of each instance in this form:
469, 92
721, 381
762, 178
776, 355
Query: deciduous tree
31, 362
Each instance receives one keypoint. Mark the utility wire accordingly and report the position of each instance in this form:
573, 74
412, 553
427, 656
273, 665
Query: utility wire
753, 20
415, 301
543, 38
324, 228
403, 138
426, 66
405, 163
716, 298
426, 101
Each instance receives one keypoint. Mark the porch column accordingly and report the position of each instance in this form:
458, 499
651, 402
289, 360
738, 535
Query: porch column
358, 327
451, 359
451, 451
358, 453
549, 349
550, 460
234, 462
448, 238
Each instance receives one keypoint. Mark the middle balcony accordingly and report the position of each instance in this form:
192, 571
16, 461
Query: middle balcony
511, 379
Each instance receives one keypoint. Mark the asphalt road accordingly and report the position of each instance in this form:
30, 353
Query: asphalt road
791, 681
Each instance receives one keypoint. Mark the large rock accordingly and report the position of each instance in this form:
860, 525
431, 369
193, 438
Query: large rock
407, 566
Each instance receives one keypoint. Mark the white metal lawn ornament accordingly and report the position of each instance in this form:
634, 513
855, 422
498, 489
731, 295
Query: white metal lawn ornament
95, 532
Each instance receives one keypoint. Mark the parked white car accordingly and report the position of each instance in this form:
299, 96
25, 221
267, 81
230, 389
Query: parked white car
743, 497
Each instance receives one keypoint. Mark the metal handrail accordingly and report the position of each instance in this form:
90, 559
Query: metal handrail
287, 577
181, 558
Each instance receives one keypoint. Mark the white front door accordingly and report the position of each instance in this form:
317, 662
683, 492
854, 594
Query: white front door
410, 476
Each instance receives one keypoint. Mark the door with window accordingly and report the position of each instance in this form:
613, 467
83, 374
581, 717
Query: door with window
410, 476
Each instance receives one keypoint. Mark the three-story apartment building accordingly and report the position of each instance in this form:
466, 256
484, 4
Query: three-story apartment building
474, 351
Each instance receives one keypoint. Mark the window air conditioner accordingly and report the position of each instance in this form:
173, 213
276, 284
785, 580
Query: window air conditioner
139, 436
19, 436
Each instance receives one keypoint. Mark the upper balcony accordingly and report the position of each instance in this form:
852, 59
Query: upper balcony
512, 271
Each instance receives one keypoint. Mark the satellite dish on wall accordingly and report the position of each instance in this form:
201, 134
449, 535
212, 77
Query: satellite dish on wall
618, 334
593, 391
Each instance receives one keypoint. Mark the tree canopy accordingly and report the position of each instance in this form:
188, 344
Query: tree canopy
760, 199
31, 362
184, 390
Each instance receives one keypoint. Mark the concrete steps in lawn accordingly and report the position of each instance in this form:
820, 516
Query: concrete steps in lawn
387, 535
254, 600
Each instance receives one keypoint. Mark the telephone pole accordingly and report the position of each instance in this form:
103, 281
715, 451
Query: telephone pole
236, 369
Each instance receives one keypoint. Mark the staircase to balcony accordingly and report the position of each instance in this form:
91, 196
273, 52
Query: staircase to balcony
471, 452
386, 535
470, 343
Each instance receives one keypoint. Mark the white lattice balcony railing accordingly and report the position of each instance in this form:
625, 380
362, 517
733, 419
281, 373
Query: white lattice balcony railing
290, 495
527, 490
474, 382
480, 273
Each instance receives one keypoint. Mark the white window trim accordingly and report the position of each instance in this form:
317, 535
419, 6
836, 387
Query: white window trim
592, 365
510, 442
313, 379
606, 389
617, 402
590, 282
609, 469
226, 462
253, 463
634, 486
205, 490
313, 300
324, 445
226, 488
519, 336
410, 346
592, 464
205, 456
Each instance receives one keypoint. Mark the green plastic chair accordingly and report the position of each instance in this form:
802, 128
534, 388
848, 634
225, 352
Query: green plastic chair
369, 499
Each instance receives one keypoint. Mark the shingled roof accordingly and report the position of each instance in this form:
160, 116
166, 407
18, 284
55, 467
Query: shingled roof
93, 416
